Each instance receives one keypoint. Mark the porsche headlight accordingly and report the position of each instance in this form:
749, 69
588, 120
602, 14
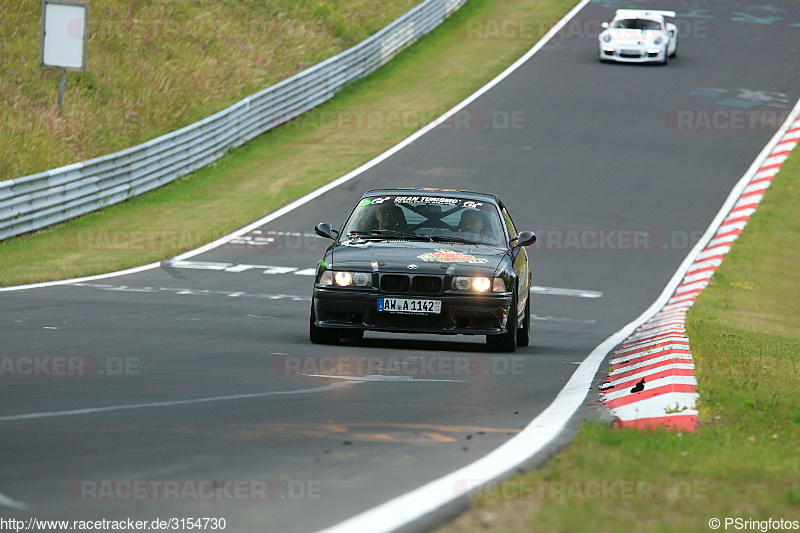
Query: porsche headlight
658, 40
606, 38
478, 284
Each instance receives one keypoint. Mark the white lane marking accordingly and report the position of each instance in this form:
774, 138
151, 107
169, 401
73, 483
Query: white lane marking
230, 267
72, 281
126, 407
117, 288
239, 294
275, 270
286, 233
195, 292
556, 319
267, 269
556, 291
383, 378
5, 501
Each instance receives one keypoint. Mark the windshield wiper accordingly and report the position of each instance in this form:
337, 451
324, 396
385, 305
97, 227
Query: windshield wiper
441, 238
386, 234
381, 234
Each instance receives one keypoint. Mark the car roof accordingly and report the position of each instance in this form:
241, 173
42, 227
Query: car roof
642, 14
471, 195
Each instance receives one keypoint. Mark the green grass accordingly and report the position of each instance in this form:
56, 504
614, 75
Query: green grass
744, 460
157, 65
424, 81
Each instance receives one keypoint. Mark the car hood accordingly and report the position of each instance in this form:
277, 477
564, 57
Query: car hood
633, 37
429, 258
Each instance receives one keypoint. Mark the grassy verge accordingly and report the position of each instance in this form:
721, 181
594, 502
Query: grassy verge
428, 78
157, 65
744, 461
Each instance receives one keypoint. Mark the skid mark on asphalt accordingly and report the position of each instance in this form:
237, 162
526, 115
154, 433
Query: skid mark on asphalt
360, 431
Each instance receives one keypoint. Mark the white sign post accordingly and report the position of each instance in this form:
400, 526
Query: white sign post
64, 36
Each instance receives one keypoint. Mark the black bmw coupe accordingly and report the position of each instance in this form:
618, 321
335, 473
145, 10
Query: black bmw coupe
424, 261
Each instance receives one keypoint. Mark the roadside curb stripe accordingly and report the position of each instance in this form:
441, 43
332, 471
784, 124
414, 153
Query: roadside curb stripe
657, 356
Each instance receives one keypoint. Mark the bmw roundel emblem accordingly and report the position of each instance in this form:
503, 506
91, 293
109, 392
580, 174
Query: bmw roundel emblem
412, 266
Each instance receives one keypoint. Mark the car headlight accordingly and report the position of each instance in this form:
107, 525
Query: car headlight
606, 38
478, 284
343, 278
658, 40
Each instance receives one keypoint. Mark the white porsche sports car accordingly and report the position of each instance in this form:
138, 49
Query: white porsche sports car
639, 36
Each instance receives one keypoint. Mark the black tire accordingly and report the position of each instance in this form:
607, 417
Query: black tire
675, 53
524, 332
506, 342
666, 58
320, 335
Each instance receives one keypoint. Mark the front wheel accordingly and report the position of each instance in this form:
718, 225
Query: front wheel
524, 332
506, 342
320, 335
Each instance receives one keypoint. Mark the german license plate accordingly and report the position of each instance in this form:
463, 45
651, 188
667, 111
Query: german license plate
409, 305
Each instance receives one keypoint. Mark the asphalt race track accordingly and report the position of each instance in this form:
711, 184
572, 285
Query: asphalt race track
202, 370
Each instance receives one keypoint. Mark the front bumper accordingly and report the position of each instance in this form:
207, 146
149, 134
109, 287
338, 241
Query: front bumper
465, 314
632, 54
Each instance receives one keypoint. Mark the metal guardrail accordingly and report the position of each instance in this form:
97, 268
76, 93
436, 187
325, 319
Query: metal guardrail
39, 200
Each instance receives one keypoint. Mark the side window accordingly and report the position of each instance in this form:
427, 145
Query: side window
512, 231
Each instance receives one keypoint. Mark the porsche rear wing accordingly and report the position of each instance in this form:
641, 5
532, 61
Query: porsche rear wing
643, 13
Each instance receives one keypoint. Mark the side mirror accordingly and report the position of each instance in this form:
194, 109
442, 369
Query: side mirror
323, 229
525, 238
604, 25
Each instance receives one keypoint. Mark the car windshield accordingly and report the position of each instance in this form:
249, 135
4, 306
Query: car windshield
433, 218
636, 24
